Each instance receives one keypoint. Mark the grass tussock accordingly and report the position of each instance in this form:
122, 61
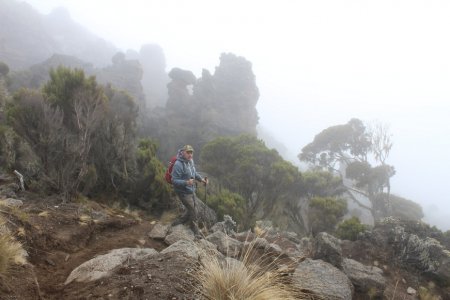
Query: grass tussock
248, 278
11, 252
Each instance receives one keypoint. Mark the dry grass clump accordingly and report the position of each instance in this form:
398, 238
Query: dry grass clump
11, 252
230, 279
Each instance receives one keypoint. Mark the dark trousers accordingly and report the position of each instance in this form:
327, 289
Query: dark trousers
190, 213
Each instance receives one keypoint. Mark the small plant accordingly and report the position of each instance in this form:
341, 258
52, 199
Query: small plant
349, 229
427, 294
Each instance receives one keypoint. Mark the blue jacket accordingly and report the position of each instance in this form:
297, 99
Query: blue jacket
182, 171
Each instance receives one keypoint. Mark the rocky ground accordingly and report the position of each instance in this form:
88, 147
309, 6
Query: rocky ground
59, 237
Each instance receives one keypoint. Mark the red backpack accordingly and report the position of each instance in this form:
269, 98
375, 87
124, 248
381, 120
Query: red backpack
168, 175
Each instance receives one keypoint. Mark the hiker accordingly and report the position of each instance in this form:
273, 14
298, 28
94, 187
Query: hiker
183, 181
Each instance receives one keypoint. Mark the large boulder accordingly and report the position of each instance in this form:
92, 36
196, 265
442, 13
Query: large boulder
322, 279
364, 278
102, 265
328, 248
225, 244
189, 248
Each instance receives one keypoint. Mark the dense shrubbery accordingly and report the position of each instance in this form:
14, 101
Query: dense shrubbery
325, 213
227, 203
244, 165
83, 140
149, 190
350, 228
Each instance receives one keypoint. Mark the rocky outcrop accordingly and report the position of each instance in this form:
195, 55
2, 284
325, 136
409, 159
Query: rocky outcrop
426, 255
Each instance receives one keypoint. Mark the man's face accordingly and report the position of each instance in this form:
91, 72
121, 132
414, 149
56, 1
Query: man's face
188, 155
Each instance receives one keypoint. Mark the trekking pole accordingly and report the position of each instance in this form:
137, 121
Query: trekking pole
206, 180
195, 211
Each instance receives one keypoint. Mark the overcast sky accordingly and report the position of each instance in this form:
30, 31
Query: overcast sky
317, 64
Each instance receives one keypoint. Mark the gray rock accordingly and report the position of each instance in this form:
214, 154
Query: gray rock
159, 231
411, 291
323, 279
102, 265
187, 247
11, 202
227, 226
328, 248
225, 244
364, 278
179, 232
208, 251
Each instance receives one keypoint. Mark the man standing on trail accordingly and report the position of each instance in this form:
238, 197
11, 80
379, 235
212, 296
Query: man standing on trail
183, 181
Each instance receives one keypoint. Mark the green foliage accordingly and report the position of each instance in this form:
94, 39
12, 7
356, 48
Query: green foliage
338, 143
350, 228
428, 293
227, 203
82, 134
150, 189
66, 87
405, 209
353, 147
322, 184
8, 144
244, 165
325, 213
4, 97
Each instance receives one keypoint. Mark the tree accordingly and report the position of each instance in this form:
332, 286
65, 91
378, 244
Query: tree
84, 134
341, 143
353, 147
244, 165
149, 189
64, 86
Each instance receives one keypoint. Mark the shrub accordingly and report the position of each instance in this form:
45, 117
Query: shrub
349, 229
325, 213
227, 203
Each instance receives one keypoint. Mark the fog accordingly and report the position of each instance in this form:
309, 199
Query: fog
317, 64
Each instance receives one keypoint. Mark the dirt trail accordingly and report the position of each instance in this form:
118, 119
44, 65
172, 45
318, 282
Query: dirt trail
59, 237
